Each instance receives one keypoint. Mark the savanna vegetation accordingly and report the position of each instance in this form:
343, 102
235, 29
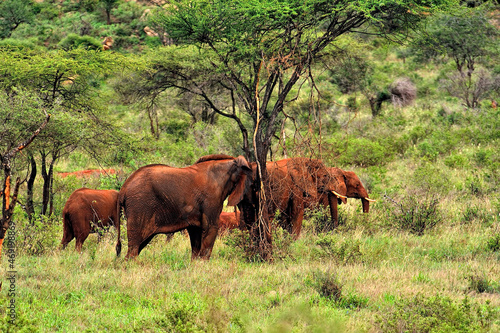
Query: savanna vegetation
404, 93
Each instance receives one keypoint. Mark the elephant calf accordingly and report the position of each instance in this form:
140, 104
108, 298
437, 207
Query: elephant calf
229, 220
85, 212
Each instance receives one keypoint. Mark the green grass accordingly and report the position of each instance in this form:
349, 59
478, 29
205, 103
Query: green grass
377, 275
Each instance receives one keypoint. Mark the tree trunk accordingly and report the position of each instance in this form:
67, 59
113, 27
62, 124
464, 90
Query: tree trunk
108, 16
7, 205
51, 187
46, 185
30, 207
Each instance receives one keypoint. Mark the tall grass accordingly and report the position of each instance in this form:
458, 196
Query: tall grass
351, 279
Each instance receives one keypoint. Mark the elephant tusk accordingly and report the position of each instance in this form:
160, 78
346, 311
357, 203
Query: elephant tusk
339, 195
370, 200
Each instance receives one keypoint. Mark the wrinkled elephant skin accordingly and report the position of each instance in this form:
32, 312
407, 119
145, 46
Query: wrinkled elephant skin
351, 187
292, 185
160, 199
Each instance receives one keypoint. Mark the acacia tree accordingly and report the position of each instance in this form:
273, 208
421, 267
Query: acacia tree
64, 81
466, 39
108, 5
23, 118
257, 51
13, 13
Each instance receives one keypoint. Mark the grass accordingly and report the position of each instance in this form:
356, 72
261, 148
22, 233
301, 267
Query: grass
163, 290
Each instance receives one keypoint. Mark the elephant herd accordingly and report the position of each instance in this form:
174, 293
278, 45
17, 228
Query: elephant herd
158, 199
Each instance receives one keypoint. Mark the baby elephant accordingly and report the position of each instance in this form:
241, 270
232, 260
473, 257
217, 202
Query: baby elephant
87, 211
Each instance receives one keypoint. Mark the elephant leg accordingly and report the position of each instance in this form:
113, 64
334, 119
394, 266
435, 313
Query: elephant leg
332, 199
136, 245
146, 242
133, 249
80, 239
195, 234
207, 242
297, 223
296, 218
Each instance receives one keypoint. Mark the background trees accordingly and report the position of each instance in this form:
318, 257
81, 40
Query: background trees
64, 82
23, 118
468, 39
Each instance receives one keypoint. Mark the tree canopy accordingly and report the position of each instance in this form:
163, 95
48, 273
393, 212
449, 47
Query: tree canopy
259, 50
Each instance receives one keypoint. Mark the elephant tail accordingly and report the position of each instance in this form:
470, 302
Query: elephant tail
118, 242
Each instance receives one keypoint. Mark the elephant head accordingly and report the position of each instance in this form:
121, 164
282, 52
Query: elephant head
355, 189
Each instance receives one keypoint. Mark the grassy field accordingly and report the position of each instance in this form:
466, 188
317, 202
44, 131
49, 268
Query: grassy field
363, 277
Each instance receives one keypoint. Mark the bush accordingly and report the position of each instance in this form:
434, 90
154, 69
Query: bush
321, 220
364, 152
481, 284
414, 214
40, 236
329, 287
347, 251
474, 213
437, 314
493, 243
74, 41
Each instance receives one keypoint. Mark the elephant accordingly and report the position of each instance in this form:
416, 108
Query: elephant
292, 185
158, 199
87, 211
351, 187
229, 220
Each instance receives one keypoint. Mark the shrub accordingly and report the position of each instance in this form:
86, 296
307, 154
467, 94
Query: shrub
364, 152
74, 41
329, 287
414, 214
456, 161
437, 314
240, 245
39, 236
481, 284
320, 219
345, 252
472, 88
472, 213
493, 243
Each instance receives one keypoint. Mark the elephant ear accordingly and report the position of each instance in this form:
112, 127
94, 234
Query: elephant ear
241, 175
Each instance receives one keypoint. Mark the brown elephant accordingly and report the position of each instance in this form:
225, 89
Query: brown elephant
160, 199
229, 220
293, 184
350, 187
87, 211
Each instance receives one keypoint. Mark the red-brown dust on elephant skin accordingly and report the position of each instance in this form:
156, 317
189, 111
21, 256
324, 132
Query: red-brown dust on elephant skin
85, 212
228, 221
160, 199
292, 185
